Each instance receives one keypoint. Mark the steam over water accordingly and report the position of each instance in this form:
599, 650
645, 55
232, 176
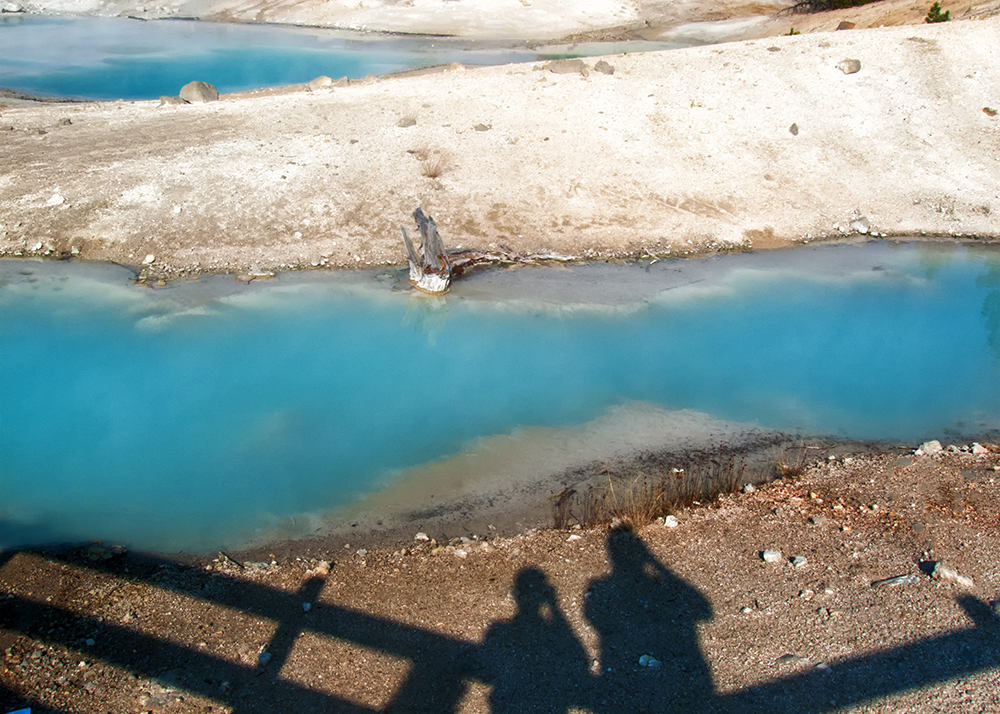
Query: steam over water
208, 413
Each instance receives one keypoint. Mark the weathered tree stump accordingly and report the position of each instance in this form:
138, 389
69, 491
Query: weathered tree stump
430, 271
432, 268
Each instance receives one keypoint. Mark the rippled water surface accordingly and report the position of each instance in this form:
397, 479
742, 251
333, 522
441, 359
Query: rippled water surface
201, 415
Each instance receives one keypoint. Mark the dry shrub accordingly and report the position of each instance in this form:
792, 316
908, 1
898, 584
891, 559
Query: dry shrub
638, 495
433, 162
791, 462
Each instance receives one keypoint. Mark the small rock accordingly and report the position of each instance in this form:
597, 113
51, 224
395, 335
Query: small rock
264, 658
929, 448
573, 538
481, 127
650, 661
799, 561
321, 82
65, 121
989, 111
406, 122
307, 606
794, 129
149, 259
362, 552
896, 581
55, 200
846, 25
817, 521
670, 521
792, 659
171, 101
978, 449
568, 66
749, 488
995, 606
603, 67
861, 225
942, 572
849, 66
421, 536
461, 553
89, 642
199, 93
771, 556
322, 569
746, 610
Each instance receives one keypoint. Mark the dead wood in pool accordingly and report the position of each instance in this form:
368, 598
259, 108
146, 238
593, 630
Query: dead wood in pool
432, 267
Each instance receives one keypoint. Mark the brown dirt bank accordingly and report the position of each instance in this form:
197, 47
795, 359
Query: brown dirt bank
551, 620
752, 144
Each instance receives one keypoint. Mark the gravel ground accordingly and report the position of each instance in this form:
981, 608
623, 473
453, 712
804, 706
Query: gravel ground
551, 620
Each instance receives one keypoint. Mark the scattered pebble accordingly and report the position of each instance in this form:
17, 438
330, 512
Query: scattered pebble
307, 606
650, 661
929, 448
264, 658
749, 488
799, 561
573, 538
942, 572
849, 66
896, 581
792, 659
771, 556
670, 521
421, 536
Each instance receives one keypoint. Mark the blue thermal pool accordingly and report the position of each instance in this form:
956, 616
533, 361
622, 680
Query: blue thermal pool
211, 414
119, 58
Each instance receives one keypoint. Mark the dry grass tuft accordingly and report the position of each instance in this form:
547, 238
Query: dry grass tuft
639, 495
434, 162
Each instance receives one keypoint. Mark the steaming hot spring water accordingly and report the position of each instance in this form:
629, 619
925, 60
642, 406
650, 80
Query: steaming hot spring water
214, 415
119, 58
211, 414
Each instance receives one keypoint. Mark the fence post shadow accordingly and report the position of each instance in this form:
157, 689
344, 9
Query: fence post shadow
533, 661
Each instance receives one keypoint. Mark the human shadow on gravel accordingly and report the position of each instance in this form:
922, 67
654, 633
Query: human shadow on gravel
532, 662
646, 618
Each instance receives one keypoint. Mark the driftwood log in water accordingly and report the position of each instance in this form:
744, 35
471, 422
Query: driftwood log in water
432, 267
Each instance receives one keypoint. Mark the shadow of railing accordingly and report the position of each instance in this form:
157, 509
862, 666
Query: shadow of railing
534, 651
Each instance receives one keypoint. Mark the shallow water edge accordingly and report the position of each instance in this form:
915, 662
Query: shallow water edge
570, 421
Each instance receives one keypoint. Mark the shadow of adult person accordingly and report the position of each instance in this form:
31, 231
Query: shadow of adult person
641, 610
534, 660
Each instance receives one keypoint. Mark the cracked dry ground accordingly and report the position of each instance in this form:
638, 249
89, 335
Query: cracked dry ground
550, 620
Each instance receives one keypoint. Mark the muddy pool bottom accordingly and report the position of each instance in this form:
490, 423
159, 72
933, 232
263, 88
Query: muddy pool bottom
214, 415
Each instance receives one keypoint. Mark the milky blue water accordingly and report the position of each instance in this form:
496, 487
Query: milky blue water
119, 58
197, 416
